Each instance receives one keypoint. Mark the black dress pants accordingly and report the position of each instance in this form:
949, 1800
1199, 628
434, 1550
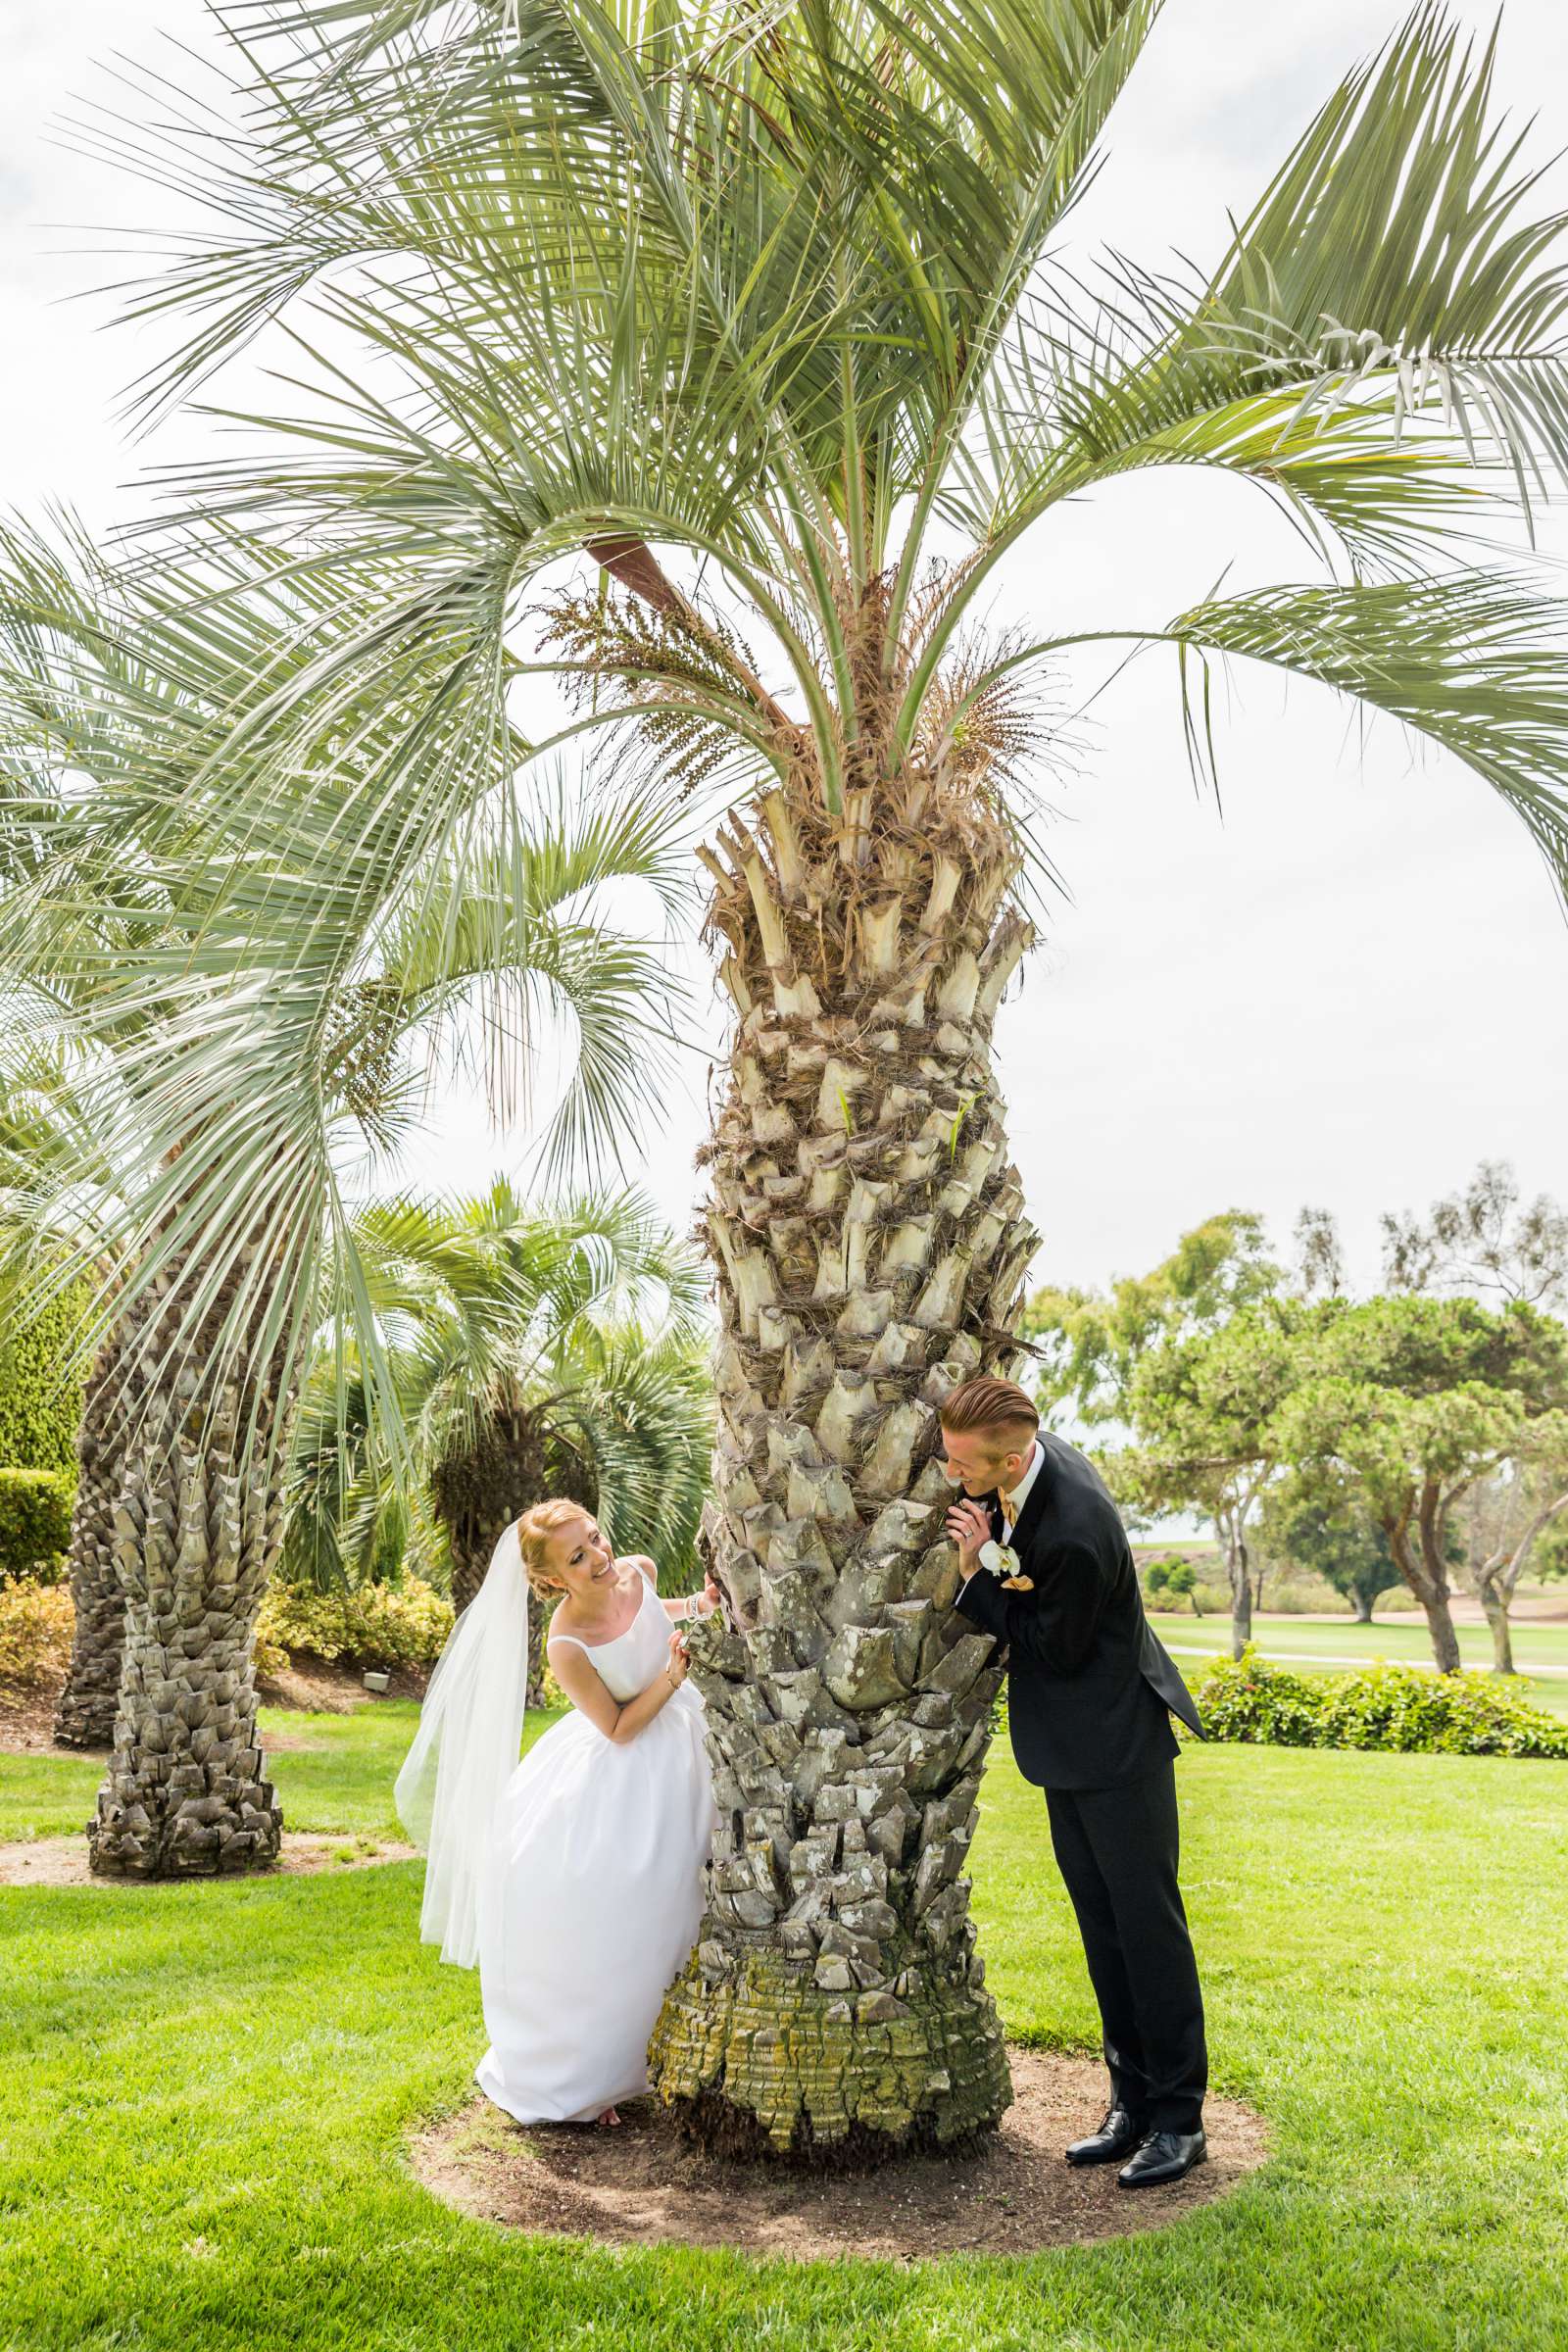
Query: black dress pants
1117, 1849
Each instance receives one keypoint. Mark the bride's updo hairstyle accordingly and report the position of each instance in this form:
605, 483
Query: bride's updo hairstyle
534, 1530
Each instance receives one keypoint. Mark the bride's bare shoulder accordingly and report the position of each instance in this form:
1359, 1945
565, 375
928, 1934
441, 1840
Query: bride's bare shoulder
640, 1559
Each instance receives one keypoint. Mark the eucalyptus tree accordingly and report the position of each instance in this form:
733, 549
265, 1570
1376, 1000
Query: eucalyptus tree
1504, 1518
216, 1005
1482, 1240
541, 1349
712, 359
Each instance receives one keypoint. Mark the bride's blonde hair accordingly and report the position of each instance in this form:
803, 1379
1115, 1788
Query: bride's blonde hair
534, 1530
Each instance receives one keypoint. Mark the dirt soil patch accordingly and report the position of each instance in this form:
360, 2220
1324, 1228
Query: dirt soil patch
638, 2184
311, 1686
28, 1720
327, 1686
62, 1861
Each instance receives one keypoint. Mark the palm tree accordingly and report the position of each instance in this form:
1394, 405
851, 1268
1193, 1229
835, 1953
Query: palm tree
535, 1351
695, 337
144, 1014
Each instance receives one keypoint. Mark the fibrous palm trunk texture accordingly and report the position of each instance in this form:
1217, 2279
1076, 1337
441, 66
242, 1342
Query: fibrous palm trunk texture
85, 1716
197, 1526
868, 1236
478, 1492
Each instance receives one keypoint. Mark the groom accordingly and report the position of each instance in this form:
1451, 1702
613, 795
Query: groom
1048, 1569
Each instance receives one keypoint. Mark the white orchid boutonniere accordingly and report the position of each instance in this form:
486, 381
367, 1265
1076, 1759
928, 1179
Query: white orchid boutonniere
1003, 1563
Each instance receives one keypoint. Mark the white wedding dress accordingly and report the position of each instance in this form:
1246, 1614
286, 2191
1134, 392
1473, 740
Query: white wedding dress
591, 1905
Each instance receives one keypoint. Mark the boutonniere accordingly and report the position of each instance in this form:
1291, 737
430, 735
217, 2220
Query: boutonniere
1004, 1564
1015, 1581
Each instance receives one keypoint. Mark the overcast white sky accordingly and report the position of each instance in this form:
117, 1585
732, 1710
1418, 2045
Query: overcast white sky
1346, 992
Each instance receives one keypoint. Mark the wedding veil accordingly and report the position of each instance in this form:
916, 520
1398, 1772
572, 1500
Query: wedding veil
465, 1749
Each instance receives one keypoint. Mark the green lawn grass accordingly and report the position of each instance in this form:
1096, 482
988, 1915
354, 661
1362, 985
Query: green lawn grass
1287, 1637
206, 2092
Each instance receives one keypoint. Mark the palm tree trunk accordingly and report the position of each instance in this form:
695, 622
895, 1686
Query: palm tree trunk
477, 1495
197, 1526
85, 1716
870, 1246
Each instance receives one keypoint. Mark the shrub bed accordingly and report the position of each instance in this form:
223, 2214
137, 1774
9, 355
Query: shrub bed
379, 1624
35, 1628
1383, 1705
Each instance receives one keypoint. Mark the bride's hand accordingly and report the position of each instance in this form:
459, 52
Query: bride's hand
678, 1661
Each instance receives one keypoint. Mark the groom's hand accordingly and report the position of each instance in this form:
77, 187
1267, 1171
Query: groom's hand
969, 1526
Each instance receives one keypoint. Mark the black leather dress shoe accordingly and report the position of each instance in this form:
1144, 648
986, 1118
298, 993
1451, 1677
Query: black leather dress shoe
1117, 2137
1164, 2156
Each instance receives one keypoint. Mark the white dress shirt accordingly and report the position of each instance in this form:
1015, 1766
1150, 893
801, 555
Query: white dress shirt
989, 1554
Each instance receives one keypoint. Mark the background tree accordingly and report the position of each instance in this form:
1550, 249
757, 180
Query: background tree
1203, 1413
1319, 1254
1175, 1580
1505, 1516
549, 1351
1482, 1240
728, 359
1334, 1536
1091, 1343
207, 1045
1413, 1401
1548, 1556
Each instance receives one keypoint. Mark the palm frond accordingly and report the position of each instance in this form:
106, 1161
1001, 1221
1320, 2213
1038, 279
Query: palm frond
212, 920
1477, 662
587, 1314
1388, 320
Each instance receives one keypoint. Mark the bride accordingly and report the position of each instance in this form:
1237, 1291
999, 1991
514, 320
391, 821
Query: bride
572, 1878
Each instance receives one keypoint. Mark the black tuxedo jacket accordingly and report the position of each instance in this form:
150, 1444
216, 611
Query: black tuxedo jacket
1089, 1690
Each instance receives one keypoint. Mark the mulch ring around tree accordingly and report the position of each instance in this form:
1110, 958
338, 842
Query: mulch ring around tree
639, 2184
62, 1861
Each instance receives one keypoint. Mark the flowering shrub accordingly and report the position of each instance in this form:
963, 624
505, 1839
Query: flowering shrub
379, 1624
35, 1628
1402, 1708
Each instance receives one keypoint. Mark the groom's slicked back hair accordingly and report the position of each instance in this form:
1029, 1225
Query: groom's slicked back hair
999, 1408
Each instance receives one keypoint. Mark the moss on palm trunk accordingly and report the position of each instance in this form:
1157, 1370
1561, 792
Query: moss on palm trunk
758, 2060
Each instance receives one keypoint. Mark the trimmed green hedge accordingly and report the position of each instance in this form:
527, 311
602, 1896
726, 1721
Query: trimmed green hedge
40, 1413
34, 1523
1403, 1708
